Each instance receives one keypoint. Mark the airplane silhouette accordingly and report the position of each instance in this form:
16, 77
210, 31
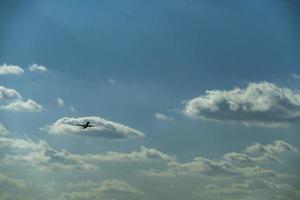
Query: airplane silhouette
84, 126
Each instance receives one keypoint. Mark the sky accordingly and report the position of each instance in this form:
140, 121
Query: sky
187, 99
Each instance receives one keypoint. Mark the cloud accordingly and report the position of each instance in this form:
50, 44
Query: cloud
72, 109
258, 153
143, 154
37, 68
204, 166
295, 76
102, 128
3, 130
14, 101
8, 182
8, 94
27, 106
112, 81
41, 155
10, 70
246, 164
102, 190
163, 117
259, 104
60, 102
257, 189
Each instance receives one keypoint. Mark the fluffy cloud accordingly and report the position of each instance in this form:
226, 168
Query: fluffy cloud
162, 117
246, 164
102, 128
27, 106
259, 104
10, 70
60, 102
39, 155
37, 68
14, 101
8, 94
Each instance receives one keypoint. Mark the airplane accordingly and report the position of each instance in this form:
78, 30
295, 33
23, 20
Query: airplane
84, 126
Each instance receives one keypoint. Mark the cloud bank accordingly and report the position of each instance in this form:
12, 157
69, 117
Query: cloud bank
259, 104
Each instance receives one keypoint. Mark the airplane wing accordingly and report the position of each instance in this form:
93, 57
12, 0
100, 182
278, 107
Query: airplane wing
90, 126
77, 125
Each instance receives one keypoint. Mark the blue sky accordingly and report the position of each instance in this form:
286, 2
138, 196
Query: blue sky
140, 71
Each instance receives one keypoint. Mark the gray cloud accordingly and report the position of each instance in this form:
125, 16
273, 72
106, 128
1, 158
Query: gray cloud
259, 104
102, 128
10, 70
101, 191
8, 182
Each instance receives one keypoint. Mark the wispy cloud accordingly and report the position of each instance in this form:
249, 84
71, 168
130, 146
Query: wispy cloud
163, 117
60, 102
112, 81
37, 68
3, 130
295, 76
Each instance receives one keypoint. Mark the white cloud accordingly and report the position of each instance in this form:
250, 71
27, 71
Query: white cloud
40, 155
259, 104
102, 128
14, 101
60, 102
143, 154
163, 117
27, 106
3, 130
44, 157
37, 68
8, 94
10, 70
246, 164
